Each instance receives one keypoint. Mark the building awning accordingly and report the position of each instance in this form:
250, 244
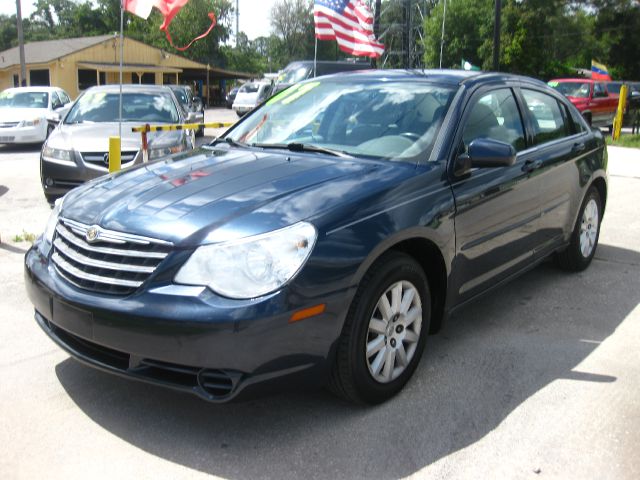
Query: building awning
128, 67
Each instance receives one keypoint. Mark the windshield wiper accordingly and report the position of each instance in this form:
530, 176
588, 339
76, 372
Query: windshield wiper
303, 147
227, 140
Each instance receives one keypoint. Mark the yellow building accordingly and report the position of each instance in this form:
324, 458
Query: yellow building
75, 64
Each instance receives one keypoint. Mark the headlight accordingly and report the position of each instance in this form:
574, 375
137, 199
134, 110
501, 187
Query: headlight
30, 123
53, 221
252, 266
56, 153
164, 151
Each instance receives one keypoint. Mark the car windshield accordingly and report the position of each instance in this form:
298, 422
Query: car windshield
376, 119
294, 74
572, 89
249, 88
13, 99
99, 106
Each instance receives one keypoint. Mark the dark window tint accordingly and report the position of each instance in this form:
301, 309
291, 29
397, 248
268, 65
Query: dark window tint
599, 91
55, 100
547, 120
495, 115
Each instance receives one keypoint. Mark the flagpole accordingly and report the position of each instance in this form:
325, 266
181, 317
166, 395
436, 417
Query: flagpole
315, 58
121, 55
444, 17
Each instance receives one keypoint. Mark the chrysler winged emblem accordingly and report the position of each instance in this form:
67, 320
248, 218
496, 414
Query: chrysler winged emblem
92, 234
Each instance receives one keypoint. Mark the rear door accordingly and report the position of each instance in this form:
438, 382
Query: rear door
558, 140
497, 209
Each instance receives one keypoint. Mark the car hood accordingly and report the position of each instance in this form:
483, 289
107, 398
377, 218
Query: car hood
16, 114
94, 137
211, 195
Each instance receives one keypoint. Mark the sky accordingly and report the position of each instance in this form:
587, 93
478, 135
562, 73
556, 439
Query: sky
254, 14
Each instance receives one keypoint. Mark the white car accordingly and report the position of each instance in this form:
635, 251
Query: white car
250, 96
30, 114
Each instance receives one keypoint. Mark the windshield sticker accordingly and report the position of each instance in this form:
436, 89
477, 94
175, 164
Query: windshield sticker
283, 94
303, 90
552, 84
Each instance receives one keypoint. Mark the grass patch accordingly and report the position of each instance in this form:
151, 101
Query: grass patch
631, 141
25, 237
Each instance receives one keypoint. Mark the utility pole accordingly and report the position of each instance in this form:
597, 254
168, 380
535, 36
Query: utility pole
237, 20
23, 66
496, 38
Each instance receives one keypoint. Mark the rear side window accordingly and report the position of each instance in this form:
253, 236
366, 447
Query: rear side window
495, 115
548, 122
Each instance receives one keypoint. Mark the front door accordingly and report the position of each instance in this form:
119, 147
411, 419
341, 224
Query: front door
497, 209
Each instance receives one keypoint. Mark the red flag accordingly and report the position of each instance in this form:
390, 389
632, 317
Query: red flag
169, 9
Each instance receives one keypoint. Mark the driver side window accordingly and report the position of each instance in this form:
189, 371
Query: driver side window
495, 115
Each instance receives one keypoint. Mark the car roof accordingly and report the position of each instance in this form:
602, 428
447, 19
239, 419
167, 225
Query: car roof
581, 80
115, 88
443, 76
33, 89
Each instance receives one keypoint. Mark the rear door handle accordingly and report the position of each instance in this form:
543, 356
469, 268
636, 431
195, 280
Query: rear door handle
578, 147
531, 165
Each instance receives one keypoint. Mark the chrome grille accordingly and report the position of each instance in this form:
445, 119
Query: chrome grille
8, 124
105, 261
101, 159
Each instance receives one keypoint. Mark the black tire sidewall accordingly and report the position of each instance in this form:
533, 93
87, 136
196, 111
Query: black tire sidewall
396, 268
580, 260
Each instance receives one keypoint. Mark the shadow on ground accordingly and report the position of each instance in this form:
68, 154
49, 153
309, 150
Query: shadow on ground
489, 359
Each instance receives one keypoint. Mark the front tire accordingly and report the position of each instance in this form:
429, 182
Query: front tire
584, 239
384, 333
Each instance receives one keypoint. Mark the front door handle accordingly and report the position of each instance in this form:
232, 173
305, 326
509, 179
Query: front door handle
531, 165
578, 147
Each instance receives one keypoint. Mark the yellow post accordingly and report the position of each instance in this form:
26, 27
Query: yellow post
114, 154
617, 121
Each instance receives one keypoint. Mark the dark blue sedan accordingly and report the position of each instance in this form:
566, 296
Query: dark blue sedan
323, 237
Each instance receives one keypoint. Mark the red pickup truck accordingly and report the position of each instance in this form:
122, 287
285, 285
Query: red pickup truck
591, 97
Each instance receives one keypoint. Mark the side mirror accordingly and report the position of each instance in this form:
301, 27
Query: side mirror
485, 153
62, 111
192, 117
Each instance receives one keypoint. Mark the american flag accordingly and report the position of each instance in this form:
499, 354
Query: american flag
348, 22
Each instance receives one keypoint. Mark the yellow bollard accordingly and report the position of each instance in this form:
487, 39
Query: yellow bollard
617, 121
114, 154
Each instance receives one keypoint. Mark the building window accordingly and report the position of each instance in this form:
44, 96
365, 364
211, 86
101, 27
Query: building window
168, 78
39, 78
16, 80
147, 78
88, 78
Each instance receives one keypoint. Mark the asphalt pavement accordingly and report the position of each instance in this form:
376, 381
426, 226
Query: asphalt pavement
539, 379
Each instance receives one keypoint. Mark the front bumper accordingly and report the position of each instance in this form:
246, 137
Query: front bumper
60, 176
187, 338
35, 134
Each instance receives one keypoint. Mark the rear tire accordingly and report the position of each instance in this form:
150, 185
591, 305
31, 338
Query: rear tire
584, 239
385, 331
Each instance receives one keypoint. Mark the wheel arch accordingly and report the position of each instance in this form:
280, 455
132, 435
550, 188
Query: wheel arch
600, 185
432, 260
428, 255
